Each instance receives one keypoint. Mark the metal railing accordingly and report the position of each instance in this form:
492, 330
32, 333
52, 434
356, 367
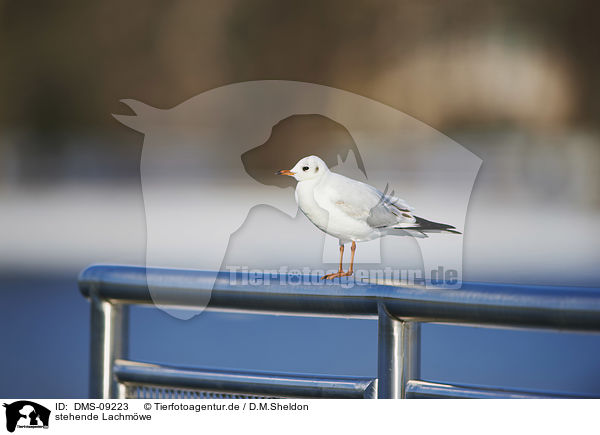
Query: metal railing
399, 310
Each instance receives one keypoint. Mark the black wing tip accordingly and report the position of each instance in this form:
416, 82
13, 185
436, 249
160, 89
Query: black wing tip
425, 225
452, 231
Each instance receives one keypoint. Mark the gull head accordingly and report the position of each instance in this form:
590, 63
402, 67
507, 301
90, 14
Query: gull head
307, 168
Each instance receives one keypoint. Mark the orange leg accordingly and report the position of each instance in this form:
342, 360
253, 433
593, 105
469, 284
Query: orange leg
353, 249
341, 271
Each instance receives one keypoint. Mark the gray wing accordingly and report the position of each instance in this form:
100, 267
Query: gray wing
362, 201
391, 211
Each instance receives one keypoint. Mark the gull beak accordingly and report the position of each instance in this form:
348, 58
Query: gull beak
285, 172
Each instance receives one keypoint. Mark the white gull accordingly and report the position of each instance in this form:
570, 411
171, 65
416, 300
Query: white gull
353, 211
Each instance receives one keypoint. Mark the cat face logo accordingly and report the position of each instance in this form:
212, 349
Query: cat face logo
26, 414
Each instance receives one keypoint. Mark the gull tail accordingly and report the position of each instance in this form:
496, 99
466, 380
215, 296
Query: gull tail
424, 225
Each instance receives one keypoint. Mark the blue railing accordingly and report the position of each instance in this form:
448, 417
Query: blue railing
400, 311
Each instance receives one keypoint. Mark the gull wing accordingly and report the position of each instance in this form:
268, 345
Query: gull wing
361, 201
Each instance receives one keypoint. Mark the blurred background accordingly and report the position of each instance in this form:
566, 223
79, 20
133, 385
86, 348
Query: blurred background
515, 82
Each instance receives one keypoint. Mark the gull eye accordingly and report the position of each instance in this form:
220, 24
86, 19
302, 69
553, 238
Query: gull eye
305, 168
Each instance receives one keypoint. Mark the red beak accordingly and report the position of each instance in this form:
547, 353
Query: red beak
286, 172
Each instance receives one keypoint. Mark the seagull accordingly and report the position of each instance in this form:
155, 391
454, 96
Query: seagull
353, 211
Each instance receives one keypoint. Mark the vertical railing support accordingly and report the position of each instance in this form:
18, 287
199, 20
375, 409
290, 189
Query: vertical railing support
399, 353
109, 337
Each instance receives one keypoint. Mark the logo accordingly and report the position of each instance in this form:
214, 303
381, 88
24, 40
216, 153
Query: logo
214, 202
26, 414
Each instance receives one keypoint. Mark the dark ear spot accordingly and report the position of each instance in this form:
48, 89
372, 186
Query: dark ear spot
317, 169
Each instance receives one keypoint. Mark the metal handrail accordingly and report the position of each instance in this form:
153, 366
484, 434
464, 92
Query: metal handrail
431, 390
573, 308
400, 310
245, 382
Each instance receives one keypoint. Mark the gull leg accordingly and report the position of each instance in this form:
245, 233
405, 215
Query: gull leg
341, 271
351, 269
353, 249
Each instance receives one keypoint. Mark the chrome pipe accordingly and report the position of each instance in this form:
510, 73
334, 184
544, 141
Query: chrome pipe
398, 356
399, 309
389, 361
570, 308
410, 353
243, 382
417, 389
109, 336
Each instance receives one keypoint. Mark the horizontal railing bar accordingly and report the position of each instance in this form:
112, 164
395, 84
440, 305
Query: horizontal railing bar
416, 389
244, 382
575, 308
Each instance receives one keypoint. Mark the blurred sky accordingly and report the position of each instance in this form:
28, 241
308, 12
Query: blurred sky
515, 82
532, 63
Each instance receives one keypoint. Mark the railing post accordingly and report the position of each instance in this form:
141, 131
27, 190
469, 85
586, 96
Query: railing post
109, 337
399, 352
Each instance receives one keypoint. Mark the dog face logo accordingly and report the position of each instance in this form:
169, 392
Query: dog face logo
26, 414
213, 202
